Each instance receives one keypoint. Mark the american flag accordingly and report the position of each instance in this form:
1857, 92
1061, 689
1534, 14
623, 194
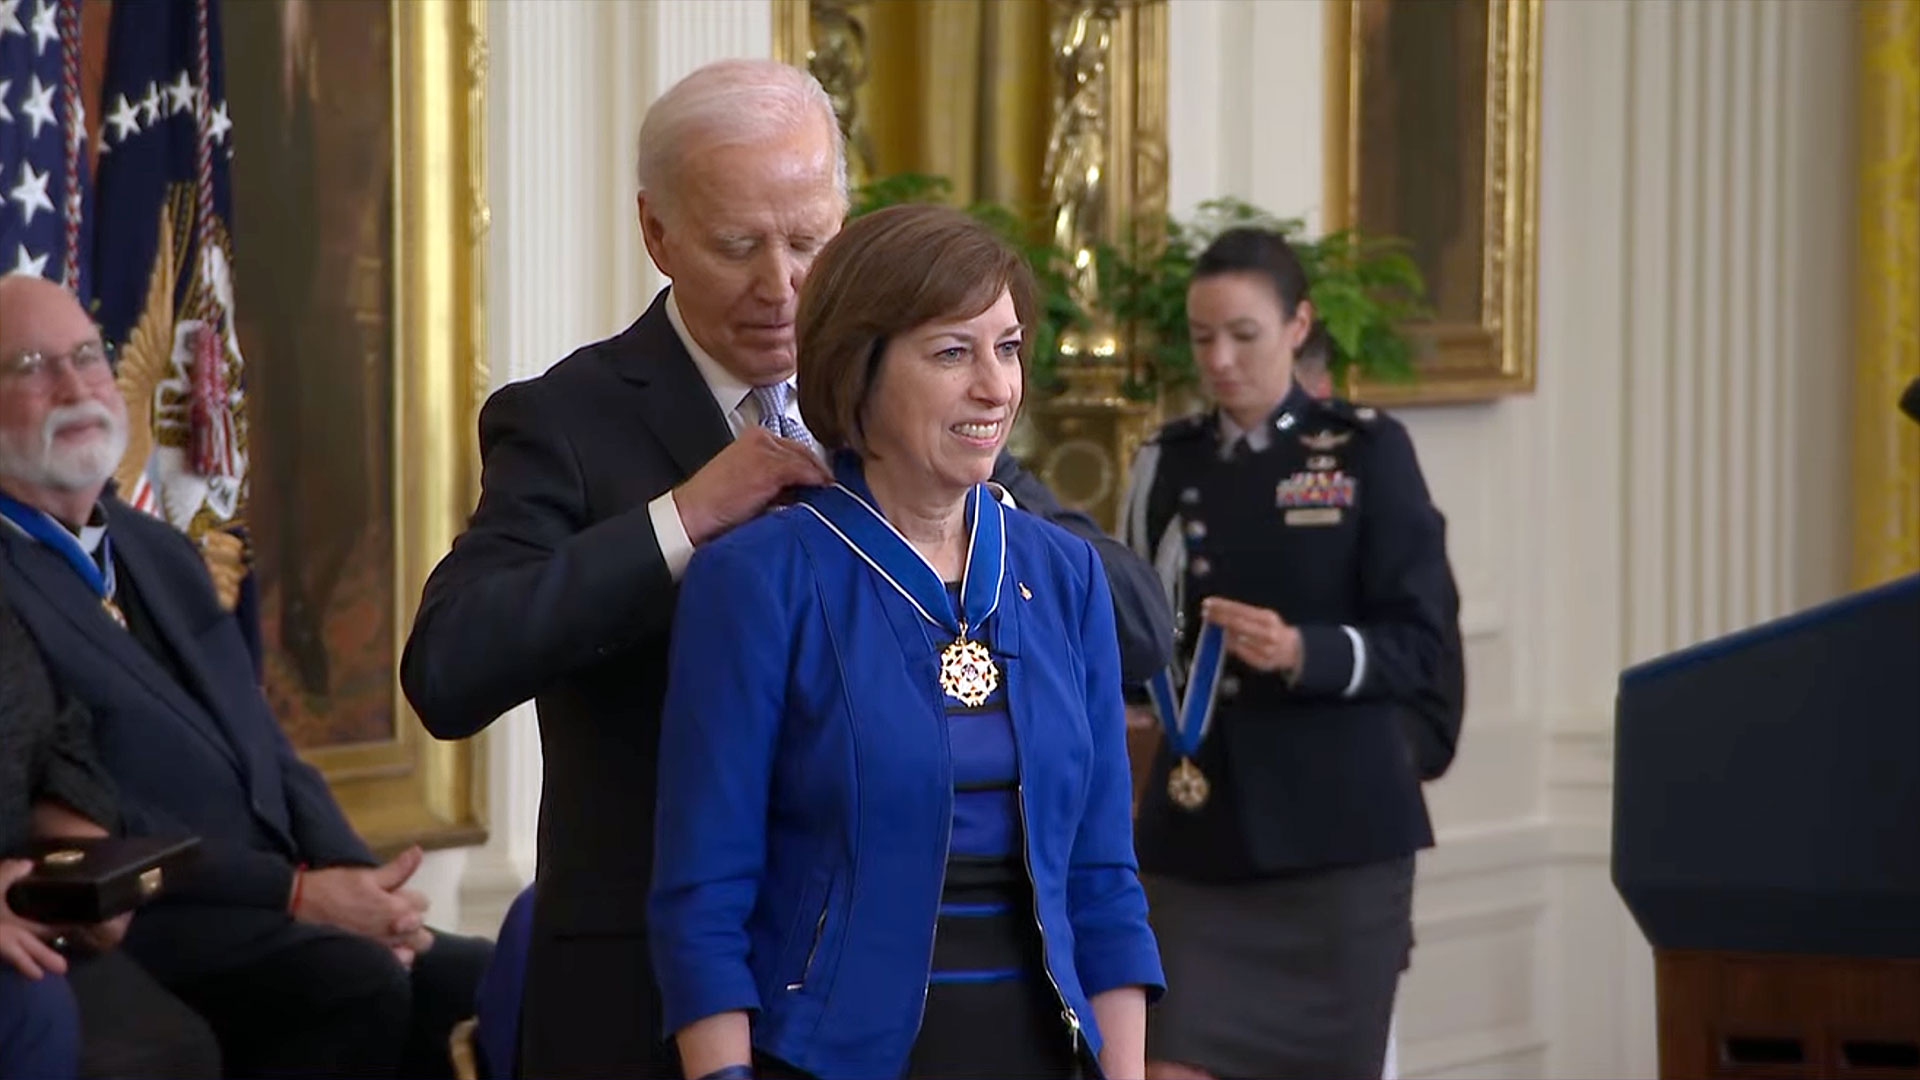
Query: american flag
44, 226
163, 257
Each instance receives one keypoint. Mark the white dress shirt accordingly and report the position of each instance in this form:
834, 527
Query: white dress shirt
735, 399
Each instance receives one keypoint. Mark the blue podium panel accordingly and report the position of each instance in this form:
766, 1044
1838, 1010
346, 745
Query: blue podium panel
1767, 784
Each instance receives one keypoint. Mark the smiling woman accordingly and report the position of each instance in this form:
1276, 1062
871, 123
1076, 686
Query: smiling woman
801, 642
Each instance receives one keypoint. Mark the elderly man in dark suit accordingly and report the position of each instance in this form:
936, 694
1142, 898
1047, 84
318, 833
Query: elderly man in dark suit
600, 479
303, 952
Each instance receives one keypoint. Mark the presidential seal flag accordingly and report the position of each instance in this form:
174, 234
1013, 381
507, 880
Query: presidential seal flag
43, 166
162, 263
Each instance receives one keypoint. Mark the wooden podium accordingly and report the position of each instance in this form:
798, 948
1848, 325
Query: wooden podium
1762, 1015
1767, 841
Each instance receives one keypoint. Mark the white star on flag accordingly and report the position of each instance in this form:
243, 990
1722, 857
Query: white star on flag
124, 120
150, 105
218, 127
31, 192
26, 263
10, 19
45, 30
6, 114
39, 105
180, 96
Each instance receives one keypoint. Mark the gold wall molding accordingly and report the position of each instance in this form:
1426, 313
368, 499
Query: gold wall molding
1886, 447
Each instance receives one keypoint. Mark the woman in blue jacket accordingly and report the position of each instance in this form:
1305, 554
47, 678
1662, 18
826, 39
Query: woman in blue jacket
894, 830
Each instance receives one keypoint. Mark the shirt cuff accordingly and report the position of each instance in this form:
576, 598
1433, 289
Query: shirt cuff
671, 534
1359, 661
1333, 661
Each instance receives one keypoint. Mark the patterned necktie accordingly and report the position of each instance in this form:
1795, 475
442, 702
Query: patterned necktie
773, 414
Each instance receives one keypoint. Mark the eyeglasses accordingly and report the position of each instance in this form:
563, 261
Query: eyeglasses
89, 362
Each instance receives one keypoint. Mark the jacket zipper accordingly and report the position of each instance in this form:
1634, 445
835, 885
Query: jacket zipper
819, 928
1026, 854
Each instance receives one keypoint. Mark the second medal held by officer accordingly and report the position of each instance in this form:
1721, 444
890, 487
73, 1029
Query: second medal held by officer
1320, 643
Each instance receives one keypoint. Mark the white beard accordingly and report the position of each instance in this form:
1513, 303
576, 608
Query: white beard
76, 468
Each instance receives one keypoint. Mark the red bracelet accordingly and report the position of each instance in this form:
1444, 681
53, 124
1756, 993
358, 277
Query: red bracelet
299, 879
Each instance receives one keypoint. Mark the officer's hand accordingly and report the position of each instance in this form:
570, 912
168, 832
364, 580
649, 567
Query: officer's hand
741, 480
1258, 637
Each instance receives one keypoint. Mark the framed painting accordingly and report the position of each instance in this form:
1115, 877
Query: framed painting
359, 231
1432, 135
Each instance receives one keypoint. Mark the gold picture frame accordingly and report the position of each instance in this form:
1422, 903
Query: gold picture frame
1463, 355
412, 788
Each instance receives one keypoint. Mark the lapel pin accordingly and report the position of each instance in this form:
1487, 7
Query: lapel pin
1024, 593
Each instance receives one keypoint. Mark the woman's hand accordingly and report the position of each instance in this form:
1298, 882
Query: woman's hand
21, 944
1258, 637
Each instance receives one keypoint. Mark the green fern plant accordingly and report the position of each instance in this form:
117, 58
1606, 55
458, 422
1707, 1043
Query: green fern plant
1365, 288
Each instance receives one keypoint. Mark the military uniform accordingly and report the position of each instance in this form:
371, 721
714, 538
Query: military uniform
1292, 880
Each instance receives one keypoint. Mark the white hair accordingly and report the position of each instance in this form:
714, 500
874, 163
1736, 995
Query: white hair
729, 102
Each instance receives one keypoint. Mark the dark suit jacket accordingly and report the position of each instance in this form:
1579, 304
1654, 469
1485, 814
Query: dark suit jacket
46, 746
558, 592
206, 758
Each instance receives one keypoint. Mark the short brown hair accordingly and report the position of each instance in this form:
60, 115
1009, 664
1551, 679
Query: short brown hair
885, 274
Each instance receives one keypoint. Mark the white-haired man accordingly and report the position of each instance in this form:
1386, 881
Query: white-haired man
303, 954
600, 478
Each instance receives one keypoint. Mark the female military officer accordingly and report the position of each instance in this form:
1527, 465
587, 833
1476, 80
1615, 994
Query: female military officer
1320, 641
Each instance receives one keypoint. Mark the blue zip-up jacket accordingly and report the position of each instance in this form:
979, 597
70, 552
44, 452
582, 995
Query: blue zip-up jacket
806, 792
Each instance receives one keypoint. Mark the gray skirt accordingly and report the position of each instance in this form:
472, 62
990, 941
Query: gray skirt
1285, 977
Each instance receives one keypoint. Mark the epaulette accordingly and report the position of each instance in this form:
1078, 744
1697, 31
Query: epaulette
1348, 413
1186, 427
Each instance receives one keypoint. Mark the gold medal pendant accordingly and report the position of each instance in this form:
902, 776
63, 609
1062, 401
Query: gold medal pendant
967, 673
1188, 786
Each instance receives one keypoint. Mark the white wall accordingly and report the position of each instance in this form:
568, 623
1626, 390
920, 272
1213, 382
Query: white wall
1675, 474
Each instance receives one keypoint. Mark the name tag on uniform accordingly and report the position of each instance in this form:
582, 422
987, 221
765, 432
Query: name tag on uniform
1314, 488
1314, 515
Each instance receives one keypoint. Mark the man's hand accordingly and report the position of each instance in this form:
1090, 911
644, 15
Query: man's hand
1257, 636
21, 940
366, 901
741, 480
